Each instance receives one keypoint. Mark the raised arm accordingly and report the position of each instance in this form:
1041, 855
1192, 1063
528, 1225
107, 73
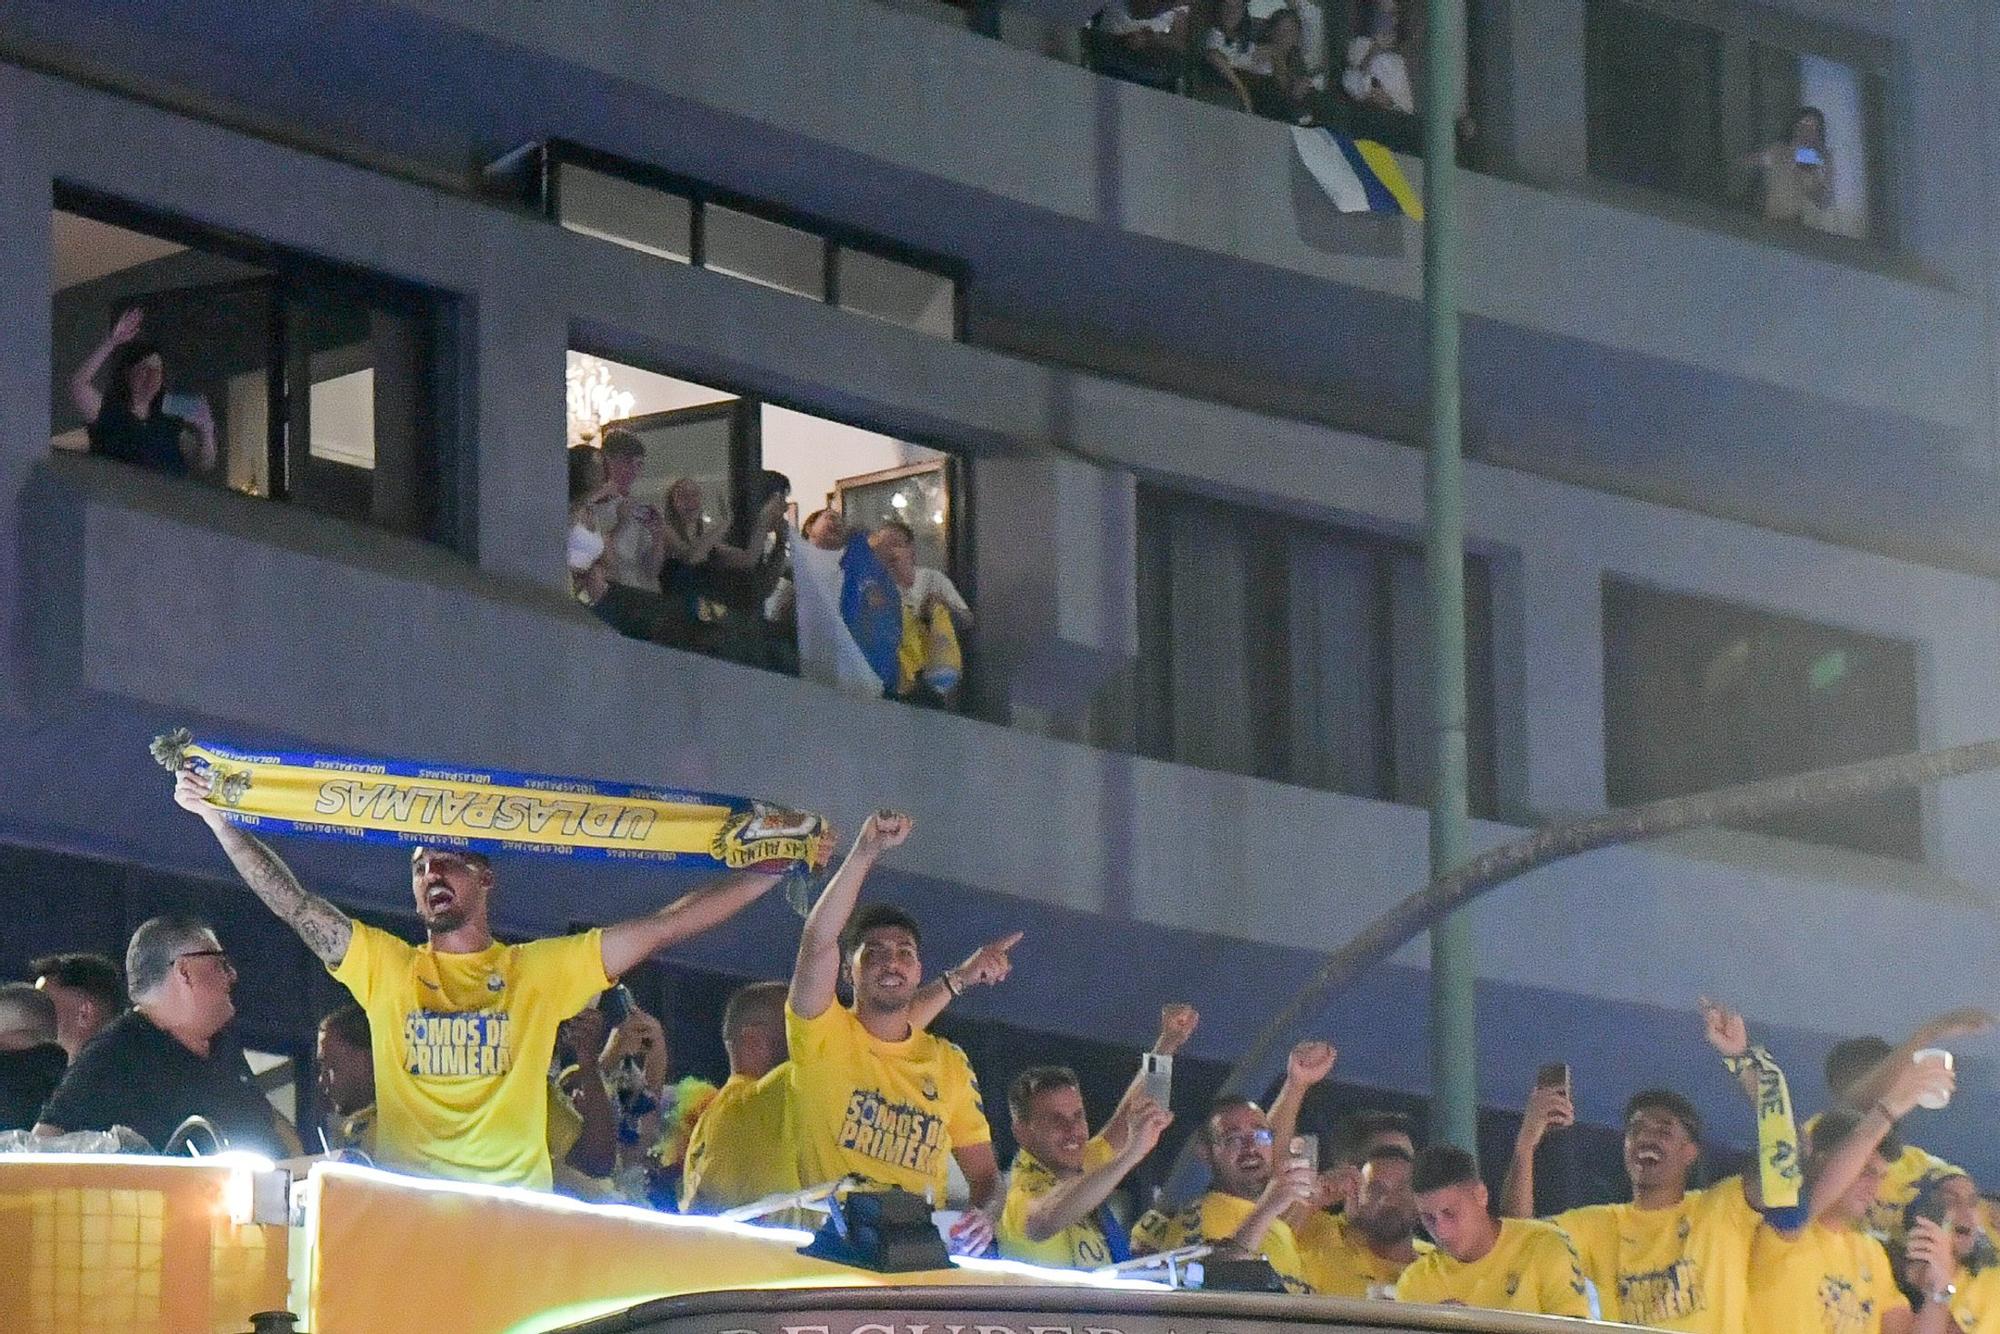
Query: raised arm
817, 971
1310, 1062
1549, 1108
325, 929
83, 390
1292, 1181
1178, 1020
629, 943
1933, 1249
595, 1153
986, 966
1840, 1169
1139, 1124
1775, 1183
1952, 1024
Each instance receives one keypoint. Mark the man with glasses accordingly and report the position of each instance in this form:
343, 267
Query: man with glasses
872, 1093
1249, 1191
168, 1057
464, 1026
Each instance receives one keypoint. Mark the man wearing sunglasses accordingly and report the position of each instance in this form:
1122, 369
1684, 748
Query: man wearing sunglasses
169, 1056
463, 1026
1249, 1191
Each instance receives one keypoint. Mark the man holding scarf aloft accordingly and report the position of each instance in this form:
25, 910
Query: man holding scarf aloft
463, 1026
1674, 1258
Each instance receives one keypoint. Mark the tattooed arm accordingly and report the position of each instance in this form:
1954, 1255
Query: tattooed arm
324, 928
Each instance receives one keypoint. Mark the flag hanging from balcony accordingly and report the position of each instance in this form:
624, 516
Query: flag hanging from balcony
1358, 175
491, 810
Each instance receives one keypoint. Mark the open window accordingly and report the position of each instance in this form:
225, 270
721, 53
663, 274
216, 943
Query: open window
716, 448
319, 385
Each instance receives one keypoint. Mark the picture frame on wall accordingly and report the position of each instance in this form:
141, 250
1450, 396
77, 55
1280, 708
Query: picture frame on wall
919, 494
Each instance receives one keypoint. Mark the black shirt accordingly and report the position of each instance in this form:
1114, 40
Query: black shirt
154, 442
137, 1074
27, 1078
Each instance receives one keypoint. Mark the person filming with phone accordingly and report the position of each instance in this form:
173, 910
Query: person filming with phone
1797, 173
1056, 1212
134, 418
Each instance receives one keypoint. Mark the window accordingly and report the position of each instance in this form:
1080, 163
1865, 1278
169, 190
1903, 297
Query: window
1739, 106
726, 445
1296, 652
899, 293
612, 208
652, 211
319, 386
1700, 694
744, 245
1652, 85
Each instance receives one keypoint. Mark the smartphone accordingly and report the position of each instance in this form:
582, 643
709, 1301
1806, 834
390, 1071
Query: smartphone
187, 407
1808, 157
1306, 1147
1158, 1074
615, 1004
1553, 1076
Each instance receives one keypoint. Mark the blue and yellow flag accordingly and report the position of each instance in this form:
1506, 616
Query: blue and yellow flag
492, 810
1358, 175
872, 606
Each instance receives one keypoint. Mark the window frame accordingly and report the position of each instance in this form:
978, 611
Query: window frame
1162, 508
835, 236
436, 483
746, 452
1740, 26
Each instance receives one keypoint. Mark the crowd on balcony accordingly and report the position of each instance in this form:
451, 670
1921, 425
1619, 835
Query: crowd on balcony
849, 608
1277, 58
528, 1065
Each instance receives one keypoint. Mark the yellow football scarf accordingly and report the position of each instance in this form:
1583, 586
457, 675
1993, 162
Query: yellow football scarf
491, 810
1780, 1174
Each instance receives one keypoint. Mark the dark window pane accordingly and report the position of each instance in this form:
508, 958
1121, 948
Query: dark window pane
1297, 652
1699, 694
1652, 86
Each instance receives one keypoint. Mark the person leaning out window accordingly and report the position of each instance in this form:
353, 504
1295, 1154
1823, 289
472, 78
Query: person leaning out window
133, 418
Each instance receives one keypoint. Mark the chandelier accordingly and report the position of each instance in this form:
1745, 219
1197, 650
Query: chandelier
593, 399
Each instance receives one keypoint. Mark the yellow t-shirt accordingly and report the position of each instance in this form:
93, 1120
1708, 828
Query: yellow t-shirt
892, 1112
1216, 1217
1339, 1263
1081, 1245
565, 1129
1823, 1281
1976, 1308
1532, 1267
741, 1149
1685, 1268
462, 1048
